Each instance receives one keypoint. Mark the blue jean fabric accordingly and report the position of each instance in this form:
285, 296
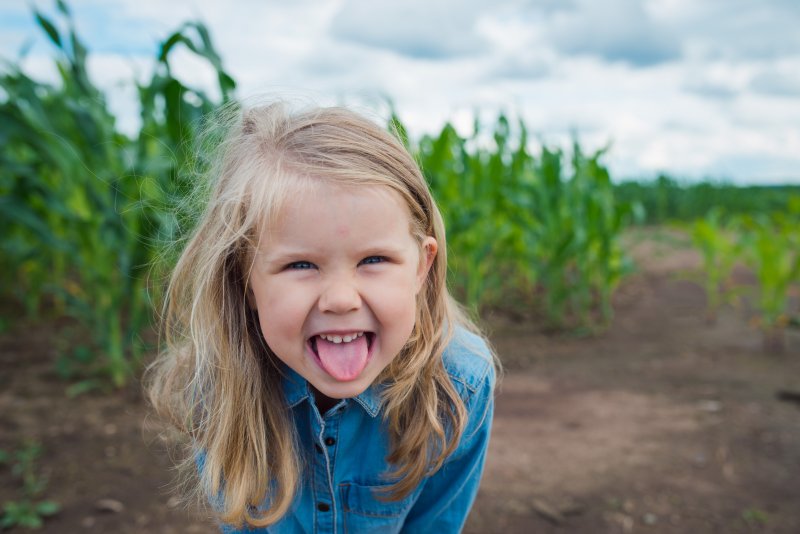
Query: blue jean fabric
345, 453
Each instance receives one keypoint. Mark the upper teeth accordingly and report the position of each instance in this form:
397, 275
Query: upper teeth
338, 339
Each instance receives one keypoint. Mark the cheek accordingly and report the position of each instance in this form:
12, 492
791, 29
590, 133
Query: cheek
397, 307
279, 311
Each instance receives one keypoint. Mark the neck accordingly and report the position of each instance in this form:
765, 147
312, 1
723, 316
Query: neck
323, 402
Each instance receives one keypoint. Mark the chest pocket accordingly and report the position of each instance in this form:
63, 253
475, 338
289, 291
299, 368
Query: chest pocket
365, 512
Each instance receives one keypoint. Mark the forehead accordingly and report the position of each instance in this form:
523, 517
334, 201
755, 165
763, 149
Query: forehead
320, 206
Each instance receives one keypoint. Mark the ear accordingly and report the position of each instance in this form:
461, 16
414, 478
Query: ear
429, 247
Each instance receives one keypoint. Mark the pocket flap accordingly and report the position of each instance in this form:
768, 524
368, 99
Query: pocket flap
370, 501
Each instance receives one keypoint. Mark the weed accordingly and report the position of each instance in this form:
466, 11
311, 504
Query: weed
29, 510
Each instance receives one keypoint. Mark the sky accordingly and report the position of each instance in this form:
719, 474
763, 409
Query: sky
697, 89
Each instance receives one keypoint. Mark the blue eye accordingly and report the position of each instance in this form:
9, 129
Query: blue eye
371, 260
300, 265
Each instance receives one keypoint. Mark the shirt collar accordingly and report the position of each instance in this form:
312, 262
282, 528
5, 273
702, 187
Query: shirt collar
296, 390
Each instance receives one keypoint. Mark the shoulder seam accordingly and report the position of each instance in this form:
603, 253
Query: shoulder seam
472, 389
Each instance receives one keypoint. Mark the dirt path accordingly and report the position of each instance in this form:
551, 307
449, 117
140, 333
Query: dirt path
662, 424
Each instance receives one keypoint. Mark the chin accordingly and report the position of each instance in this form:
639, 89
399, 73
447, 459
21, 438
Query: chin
344, 390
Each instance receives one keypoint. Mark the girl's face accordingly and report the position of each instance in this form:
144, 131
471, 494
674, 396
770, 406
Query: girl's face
335, 284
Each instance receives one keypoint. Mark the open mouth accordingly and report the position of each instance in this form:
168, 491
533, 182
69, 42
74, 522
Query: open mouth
340, 339
343, 356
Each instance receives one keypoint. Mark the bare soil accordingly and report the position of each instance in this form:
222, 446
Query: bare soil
663, 423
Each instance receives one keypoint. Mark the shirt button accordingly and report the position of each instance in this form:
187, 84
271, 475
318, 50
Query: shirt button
318, 448
322, 507
330, 442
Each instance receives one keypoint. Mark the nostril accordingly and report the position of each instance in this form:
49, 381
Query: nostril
340, 298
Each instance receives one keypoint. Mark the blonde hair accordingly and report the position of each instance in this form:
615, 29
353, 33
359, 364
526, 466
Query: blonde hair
215, 359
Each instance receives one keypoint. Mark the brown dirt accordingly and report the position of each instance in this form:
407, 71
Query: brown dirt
661, 424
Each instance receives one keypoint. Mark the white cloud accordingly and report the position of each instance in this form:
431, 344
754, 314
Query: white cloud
433, 29
779, 79
689, 87
616, 30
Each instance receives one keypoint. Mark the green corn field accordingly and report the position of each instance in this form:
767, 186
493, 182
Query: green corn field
87, 210
90, 214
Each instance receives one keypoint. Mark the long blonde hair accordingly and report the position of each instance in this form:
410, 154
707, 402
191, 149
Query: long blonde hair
215, 360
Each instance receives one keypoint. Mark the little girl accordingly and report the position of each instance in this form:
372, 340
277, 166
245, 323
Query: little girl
326, 379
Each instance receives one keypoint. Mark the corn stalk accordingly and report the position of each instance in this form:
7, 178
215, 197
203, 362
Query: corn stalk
87, 208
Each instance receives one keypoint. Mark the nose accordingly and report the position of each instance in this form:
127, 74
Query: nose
339, 296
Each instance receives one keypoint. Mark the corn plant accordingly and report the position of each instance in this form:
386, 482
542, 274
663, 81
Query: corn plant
772, 251
86, 207
574, 244
720, 250
516, 222
476, 188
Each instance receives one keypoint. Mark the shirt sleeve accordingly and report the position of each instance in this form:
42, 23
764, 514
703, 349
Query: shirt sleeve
447, 496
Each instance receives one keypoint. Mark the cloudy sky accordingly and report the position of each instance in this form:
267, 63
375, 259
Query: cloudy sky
694, 88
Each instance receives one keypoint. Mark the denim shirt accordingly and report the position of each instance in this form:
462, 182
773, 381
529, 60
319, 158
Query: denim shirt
345, 450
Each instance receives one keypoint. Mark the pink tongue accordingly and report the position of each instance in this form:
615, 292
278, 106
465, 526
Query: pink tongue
343, 361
